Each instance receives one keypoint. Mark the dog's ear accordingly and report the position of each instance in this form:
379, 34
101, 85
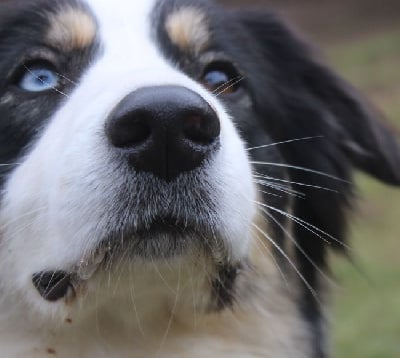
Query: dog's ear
326, 104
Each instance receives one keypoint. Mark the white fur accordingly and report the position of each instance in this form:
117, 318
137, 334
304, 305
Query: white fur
51, 213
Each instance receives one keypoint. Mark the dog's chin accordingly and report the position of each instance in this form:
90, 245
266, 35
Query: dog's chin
163, 240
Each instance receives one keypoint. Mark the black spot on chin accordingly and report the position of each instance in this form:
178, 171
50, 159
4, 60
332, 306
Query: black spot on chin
52, 285
223, 287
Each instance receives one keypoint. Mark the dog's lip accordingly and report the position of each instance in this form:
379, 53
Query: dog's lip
170, 226
166, 225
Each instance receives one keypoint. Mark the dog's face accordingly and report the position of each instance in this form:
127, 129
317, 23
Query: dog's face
122, 148
136, 132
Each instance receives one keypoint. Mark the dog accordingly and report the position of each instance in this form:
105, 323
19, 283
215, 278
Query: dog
173, 177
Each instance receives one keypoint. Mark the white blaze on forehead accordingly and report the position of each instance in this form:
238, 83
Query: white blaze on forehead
125, 29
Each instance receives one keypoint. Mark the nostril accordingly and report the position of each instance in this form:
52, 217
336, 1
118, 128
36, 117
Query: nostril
201, 128
129, 131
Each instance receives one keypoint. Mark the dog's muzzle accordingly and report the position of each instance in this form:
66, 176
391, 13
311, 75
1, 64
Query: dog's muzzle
165, 131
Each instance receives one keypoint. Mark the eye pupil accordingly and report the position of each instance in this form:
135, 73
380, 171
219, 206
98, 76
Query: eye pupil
221, 78
42, 78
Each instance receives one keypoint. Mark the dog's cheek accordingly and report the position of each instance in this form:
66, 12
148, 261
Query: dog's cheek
21, 209
237, 205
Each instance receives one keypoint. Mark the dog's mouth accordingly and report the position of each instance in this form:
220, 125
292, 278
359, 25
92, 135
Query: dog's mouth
173, 227
162, 238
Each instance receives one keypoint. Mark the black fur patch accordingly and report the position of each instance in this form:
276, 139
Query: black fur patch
23, 115
223, 286
52, 285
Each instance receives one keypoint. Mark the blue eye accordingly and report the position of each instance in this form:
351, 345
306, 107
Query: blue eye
214, 79
221, 77
38, 79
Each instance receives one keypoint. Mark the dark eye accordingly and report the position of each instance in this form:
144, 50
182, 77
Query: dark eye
221, 77
38, 77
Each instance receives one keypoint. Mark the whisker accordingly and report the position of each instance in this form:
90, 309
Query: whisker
119, 267
225, 84
281, 188
261, 180
275, 261
308, 170
193, 294
169, 324
24, 215
309, 259
296, 220
284, 142
66, 78
230, 86
306, 225
133, 294
97, 310
295, 183
313, 292
268, 193
164, 281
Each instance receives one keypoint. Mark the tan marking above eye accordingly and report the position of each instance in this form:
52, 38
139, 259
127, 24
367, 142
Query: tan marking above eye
188, 29
71, 28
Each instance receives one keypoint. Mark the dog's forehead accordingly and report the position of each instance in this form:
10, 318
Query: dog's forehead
184, 22
76, 24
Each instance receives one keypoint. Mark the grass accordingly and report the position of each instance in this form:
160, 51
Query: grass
372, 64
367, 307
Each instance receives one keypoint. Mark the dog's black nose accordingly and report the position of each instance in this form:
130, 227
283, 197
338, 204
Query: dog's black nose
165, 130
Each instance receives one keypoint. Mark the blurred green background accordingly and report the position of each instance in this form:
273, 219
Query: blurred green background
361, 39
